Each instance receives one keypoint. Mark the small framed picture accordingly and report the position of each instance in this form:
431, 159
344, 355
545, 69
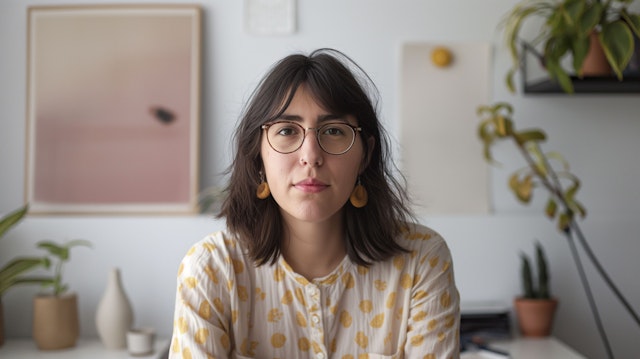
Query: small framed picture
113, 109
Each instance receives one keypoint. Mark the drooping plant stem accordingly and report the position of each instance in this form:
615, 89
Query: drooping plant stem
552, 183
587, 289
603, 273
497, 125
555, 188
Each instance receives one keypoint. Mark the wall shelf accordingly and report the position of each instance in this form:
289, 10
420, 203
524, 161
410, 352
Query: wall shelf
586, 85
592, 85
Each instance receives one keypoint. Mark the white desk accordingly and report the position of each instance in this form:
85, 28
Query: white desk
530, 348
84, 349
520, 348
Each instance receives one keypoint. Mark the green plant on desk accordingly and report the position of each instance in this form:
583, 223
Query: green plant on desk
61, 254
13, 273
529, 289
496, 125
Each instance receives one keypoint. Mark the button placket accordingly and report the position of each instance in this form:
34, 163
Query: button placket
315, 316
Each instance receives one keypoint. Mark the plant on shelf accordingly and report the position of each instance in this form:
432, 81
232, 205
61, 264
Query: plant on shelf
572, 27
529, 289
562, 186
61, 253
55, 315
14, 272
535, 309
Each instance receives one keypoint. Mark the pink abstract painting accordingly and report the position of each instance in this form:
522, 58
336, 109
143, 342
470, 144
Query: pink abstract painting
113, 109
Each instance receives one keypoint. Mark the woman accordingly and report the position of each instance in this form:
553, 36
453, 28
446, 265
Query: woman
319, 258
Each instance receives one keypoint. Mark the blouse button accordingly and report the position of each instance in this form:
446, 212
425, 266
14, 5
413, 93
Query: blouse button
315, 319
312, 290
320, 356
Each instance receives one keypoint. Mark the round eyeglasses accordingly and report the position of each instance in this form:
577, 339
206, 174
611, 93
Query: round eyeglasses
334, 138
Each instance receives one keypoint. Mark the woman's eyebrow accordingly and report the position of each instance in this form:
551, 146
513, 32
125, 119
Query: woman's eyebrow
321, 118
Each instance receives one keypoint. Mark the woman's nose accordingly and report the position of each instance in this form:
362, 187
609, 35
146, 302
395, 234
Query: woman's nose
311, 153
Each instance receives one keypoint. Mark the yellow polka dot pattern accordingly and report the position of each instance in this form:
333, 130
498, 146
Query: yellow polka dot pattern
407, 306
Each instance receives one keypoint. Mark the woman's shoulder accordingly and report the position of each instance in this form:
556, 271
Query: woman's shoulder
416, 236
217, 247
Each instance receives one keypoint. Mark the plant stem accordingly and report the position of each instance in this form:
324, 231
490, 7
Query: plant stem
57, 285
602, 272
587, 289
554, 186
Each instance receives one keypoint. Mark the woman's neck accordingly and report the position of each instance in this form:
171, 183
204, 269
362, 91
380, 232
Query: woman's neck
314, 250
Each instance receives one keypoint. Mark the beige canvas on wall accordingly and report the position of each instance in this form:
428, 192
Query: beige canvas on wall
441, 154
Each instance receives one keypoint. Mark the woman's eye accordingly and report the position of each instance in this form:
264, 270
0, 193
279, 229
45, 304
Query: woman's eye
286, 131
333, 131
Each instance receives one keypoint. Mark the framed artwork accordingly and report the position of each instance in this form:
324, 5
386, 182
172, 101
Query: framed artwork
113, 109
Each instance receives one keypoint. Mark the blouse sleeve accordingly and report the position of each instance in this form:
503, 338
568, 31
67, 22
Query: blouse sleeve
202, 314
434, 318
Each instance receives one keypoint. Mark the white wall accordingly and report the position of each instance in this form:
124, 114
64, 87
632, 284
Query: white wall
597, 134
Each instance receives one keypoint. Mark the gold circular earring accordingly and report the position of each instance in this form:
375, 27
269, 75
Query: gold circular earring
359, 197
263, 190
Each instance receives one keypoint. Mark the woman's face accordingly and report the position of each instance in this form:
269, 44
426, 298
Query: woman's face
309, 184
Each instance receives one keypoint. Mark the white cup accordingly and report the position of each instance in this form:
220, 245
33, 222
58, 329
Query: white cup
140, 341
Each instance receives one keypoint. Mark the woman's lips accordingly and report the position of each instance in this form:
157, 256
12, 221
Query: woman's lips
311, 185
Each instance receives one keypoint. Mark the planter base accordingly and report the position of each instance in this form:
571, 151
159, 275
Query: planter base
535, 316
55, 322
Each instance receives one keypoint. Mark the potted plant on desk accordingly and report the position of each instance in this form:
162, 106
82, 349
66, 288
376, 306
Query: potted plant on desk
14, 272
535, 309
55, 315
550, 171
592, 32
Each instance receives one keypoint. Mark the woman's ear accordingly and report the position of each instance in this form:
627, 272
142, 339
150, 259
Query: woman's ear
366, 157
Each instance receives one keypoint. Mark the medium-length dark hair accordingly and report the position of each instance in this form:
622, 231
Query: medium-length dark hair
340, 86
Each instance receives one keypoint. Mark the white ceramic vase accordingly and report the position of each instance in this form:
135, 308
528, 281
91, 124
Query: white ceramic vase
114, 316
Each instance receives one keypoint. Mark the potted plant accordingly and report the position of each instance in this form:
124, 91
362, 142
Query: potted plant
549, 171
55, 315
573, 27
14, 272
535, 309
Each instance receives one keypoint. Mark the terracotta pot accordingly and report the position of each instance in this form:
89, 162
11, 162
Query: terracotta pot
595, 63
535, 316
55, 321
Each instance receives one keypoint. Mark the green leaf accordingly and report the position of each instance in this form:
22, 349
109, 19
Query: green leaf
571, 192
564, 221
20, 265
527, 277
551, 208
54, 249
590, 19
572, 10
78, 242
617, 42
540, 163
578, 207
560, 75
530, 135
580, 49
503, 125
9, 274
558, 157
522, 188
6, 285
633, 20
543, 272
11, 219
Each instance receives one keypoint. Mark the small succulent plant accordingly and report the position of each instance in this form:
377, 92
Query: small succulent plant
531, 290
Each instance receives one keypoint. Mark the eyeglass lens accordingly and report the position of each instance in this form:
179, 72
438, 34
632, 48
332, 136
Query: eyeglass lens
334, 138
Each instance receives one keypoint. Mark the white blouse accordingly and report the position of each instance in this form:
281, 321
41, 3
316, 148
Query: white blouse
404, 307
